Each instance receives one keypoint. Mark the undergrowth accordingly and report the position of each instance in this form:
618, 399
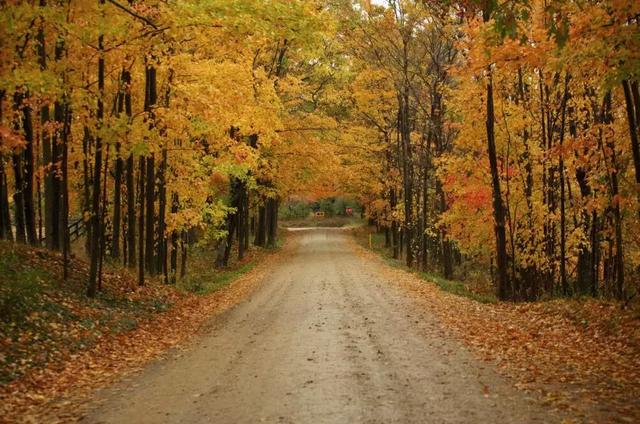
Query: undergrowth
44, 319
375, 242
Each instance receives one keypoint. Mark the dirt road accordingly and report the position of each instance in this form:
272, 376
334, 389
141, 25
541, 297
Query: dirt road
323, 340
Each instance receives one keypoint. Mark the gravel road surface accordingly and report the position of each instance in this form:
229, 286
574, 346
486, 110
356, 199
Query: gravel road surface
324, 339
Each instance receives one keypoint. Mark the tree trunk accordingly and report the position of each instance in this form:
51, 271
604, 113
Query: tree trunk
95, 204
103, 216
18, 198
595, 255
29, 206
240, 219
447, 260
261, 231
47, 158
86, 186
131, 213
407, 177
498, 207
118, 171
64, 189
224, 250
394, 224
130, 185
175, 203
150, 101
6, 232
150, 213
615, 198
141, 198
633, 111
563, 239
247, 227
586, 279
161, 256
425, 217
184, 245
272, 222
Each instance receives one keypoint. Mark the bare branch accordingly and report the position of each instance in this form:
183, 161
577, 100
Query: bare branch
132, 13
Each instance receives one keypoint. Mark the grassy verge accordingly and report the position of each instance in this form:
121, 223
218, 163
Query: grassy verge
203, 278
211, 280
371, 240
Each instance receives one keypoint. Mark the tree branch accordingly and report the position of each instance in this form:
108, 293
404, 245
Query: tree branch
132, 13
306, 129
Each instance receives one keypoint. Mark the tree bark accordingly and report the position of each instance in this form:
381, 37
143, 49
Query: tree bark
407, 175
586, 279
272, 222
95, 204
161, 256
393, 201
633, 111
141, 199
18, 198
50, 210
87, 182
29, 206
149, 102
184, 243
118, 172
131, 213
175, 203
563, 225
240, 222
130, 260
615, 197
64, 215
261, 231
150, 213
6, 232
503, 290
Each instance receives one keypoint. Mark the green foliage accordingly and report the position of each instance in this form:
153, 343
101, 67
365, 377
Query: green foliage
21, 288
458, 288
332, 206
292, 210
509, 16
203, 283
41, 317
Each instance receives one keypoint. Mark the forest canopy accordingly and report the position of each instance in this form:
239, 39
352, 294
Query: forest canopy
501, 134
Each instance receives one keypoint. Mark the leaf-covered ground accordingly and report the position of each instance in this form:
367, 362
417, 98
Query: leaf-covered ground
56, 345
45, 320
583, 356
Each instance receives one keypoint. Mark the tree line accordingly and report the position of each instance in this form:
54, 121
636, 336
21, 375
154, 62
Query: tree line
495, 135
507, 137
155, 125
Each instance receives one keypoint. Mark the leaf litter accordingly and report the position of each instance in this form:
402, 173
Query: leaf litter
58, 390
581, 355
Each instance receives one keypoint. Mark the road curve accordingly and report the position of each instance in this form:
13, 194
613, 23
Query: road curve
325, 339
